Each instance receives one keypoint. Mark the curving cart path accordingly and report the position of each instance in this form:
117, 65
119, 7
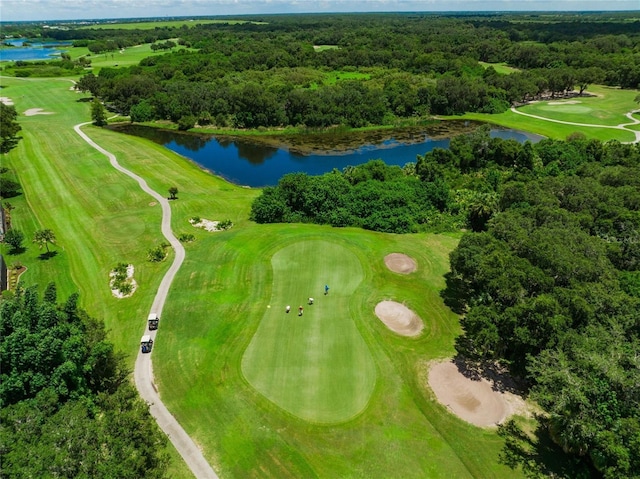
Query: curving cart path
143, 372
621, 126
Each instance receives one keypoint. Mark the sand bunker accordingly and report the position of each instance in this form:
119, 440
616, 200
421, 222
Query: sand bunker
207, 225
400, 263
37, 111
134, 285
475, 401
399, 319
6, 100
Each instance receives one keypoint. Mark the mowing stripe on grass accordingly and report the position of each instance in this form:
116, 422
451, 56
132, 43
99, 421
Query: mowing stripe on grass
315, 366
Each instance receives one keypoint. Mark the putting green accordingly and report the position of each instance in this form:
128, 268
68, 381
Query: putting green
315, 366
566, 108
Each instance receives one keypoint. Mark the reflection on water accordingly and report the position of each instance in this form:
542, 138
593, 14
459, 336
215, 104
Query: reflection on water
254, 153
258, 162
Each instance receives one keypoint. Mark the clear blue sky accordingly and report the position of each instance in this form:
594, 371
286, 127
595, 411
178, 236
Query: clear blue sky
12, 10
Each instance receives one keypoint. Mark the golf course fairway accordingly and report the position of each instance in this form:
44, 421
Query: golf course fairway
315, 365
369, 412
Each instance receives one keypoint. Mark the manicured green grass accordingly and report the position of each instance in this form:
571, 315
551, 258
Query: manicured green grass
164, 24
501, 68
218, 306
321, 48
607, 108
316, 366
122, 58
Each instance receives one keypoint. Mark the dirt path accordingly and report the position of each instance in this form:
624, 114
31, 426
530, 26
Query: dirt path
621, 126
143, 372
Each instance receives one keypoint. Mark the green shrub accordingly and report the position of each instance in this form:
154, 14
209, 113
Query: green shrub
186, 238
225, 225
159, 253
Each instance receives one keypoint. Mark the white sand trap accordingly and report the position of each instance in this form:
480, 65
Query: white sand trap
399, 319
6, 100
207, 225
134, 285
37, 111
568, 102
475, 401
400, 263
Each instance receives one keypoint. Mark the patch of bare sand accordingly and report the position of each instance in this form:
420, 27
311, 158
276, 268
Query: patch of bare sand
207, 225
400, 263
399, 319
6, 100
37, 111
477, 400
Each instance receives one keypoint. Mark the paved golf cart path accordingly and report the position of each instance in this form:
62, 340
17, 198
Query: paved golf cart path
143, 372
621, 126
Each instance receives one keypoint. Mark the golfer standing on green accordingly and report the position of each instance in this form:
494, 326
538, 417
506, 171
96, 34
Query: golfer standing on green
326, 289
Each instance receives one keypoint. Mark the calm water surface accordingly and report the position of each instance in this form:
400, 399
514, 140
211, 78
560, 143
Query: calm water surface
254, 164
35, 50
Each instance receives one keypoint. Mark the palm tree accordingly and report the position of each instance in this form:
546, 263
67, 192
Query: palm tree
481, 210
173, 191
44, 237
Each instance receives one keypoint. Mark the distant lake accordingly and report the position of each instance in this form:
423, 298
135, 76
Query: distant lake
252, 163
35, 50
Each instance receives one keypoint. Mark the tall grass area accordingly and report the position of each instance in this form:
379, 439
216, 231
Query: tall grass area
219, 299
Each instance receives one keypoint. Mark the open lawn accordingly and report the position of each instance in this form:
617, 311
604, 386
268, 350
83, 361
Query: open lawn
321, 48
502, 68
218, 338
606, 108
125, 57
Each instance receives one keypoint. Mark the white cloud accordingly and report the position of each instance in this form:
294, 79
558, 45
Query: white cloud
13, 10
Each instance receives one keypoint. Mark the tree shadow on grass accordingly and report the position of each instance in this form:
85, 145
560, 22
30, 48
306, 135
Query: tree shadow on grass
538, 456
498, 375
17, 251
453, 295
48, 255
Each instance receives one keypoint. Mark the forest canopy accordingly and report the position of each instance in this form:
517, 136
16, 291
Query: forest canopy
67, 406
407, 67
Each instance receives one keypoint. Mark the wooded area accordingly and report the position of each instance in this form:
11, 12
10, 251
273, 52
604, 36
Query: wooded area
67, 406
409, 66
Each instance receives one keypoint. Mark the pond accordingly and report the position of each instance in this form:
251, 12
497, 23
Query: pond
262, 161
33, 51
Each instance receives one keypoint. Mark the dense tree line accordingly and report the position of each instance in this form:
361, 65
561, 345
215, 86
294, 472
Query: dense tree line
9, 127
552, 290
266, 75
68, 409
372, 196
450, 188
